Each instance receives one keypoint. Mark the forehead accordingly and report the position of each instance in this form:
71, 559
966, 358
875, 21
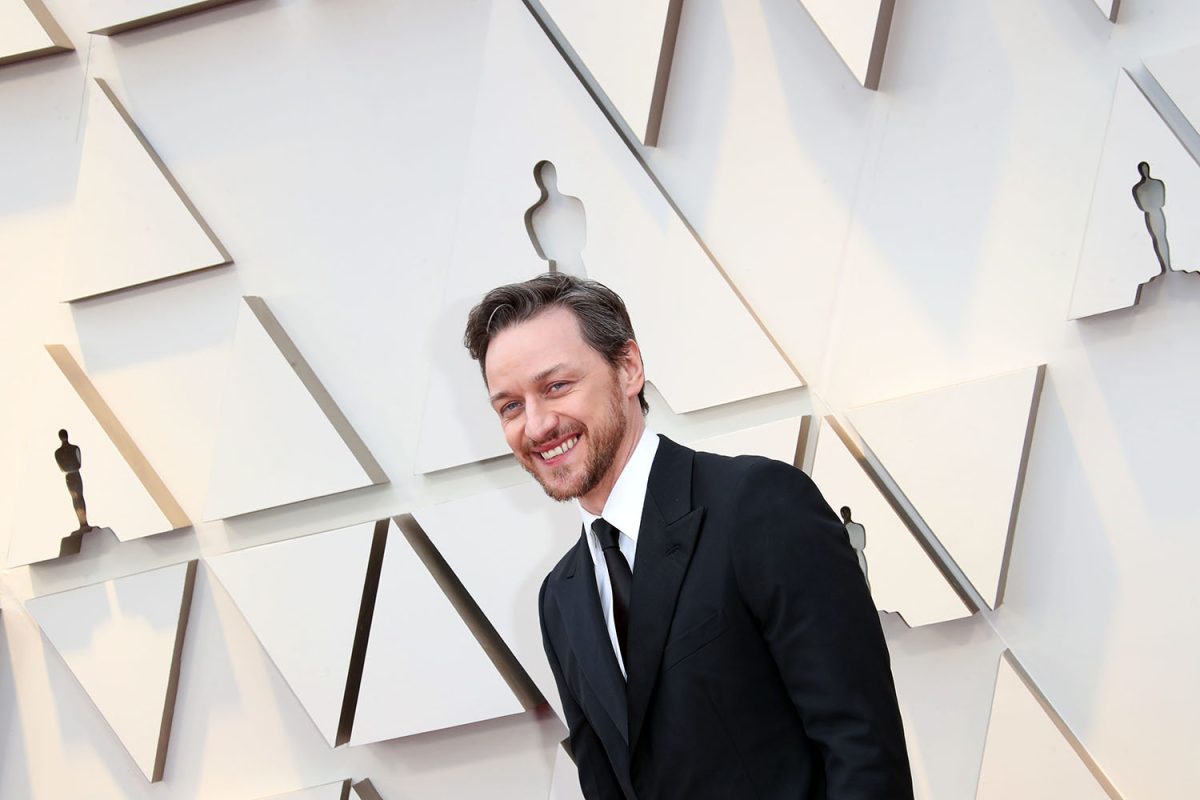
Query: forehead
523, 350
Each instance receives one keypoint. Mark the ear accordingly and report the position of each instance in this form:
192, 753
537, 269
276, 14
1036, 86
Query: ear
632, 370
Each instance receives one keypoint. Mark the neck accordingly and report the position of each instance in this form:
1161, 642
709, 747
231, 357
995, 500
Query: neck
593, 502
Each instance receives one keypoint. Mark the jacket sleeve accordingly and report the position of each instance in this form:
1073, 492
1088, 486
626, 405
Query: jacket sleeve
799, 576
596, 776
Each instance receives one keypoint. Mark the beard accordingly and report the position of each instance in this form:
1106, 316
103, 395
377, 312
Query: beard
603, 441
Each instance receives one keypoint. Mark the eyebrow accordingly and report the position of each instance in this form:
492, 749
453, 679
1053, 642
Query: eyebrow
541, 376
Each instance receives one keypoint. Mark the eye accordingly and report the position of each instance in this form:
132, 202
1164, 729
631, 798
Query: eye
510, 408
556, 385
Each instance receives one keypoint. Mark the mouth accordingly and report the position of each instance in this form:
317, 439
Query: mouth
558, 453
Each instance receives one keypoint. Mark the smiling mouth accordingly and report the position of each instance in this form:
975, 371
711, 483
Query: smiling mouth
562, 449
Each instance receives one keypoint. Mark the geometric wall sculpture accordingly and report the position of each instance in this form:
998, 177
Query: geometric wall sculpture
903, 575
118, 487
424, 669
282, 438
110, 17
1175, 72
627, 46
28, 31
958, 454
475, 533
304, 598
1119, 254
1109, 8
783, 440
858, 30
133, 224
122, 641
1030, 752
530, 108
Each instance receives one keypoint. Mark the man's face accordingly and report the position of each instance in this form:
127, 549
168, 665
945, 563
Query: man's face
564, 409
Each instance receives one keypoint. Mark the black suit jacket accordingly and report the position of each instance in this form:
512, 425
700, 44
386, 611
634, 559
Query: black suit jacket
757, 666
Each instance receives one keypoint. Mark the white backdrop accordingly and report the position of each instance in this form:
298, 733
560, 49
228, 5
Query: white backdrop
890, 241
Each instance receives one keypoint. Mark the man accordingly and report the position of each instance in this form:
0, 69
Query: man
710, 633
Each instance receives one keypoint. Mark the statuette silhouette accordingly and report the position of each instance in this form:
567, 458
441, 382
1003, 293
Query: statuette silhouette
1150, 194
557, 224
858, 540
69, 458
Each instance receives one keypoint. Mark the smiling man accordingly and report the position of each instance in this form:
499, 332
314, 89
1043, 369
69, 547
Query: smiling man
710, 631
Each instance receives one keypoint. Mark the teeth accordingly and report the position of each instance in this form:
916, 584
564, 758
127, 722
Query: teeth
562, 448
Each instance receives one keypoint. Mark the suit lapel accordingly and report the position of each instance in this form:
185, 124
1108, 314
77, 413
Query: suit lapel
666, 541
579, 603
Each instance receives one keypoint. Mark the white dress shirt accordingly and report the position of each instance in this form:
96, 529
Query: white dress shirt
622, 510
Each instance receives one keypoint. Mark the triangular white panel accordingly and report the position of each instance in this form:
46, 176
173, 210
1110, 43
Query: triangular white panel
277, 442
627, 46
775, 440
1108, 8
42, 510
23, 35
424, 669
1176, 74
1030, 753
565, 783
121, 639
902, 577
301, 597
132, 223
118, 16
958, 454
338, 790
465, 533
858, 30
531, 108
1118, 252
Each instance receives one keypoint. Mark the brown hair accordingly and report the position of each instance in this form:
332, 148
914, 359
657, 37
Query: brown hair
603, 319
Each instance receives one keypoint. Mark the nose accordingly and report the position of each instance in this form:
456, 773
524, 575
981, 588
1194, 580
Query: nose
540, 421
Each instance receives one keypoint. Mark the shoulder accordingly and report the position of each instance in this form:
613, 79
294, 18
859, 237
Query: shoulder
566, 566
743, 478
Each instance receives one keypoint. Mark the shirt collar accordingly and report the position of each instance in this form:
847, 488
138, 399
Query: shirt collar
623, 509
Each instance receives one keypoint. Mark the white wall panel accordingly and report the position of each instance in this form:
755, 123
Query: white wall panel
777, 440
1175, 72
1029, 753
424, 670
27, 30
132, 222
301, 598
902, 576
858, 30
627, 46
122, 641
565, 784
531, 108
117, 16
476, 533
958, 454
1118, 255
116, 497
282, 438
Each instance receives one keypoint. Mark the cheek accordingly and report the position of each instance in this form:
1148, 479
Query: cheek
514, 433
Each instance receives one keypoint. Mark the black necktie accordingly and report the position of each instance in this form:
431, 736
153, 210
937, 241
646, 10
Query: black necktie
621, 578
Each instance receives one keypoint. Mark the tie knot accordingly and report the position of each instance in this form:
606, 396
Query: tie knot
606, 534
